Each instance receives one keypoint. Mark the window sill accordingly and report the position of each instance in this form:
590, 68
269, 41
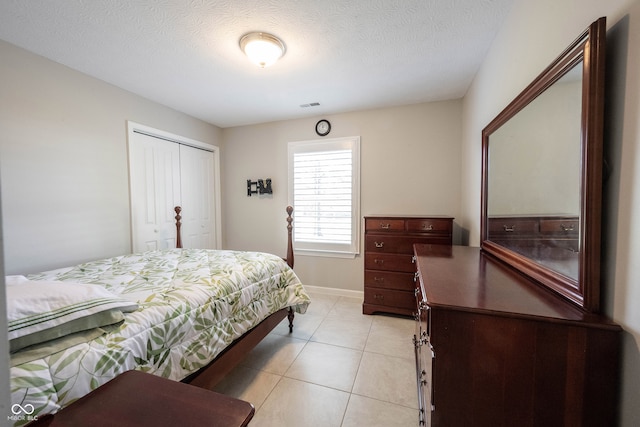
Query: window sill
325, 254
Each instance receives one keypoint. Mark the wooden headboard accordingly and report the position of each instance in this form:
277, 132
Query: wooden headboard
289, 259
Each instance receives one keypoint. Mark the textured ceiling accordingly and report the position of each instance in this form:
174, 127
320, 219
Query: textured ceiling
345, 54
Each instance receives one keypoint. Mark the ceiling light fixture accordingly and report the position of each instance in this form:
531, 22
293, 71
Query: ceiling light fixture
263, 49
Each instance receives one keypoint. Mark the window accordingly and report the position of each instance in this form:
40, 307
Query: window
324, 190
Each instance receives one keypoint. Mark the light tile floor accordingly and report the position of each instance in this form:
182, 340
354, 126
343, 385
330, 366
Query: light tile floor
339, 368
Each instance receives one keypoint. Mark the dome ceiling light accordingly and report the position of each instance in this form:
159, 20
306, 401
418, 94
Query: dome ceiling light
263, 49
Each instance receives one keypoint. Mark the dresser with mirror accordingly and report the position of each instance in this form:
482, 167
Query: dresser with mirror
511, 333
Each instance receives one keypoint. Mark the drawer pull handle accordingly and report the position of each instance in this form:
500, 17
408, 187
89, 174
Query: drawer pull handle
378, 279
427, 227
378, 261
567, 227
379, 244
378, 296
385, 226
509, 229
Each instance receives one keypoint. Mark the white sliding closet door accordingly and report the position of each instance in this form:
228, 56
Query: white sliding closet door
166, 173
154, 168
197, 186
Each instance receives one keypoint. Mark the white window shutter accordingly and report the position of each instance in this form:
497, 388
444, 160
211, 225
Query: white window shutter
324, 191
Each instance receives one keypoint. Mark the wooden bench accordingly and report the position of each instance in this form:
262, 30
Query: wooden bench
135, 398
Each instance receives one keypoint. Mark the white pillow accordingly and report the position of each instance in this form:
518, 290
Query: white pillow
40, 311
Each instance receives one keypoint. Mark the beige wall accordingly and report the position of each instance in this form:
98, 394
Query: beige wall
63, 161
534, 33
410, 164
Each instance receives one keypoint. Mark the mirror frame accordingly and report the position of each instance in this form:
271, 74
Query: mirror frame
589, 48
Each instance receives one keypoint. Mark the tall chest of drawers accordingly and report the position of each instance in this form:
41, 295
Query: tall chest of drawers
389, 270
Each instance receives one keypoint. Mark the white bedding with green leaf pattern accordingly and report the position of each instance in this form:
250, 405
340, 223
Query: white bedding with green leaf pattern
193, 303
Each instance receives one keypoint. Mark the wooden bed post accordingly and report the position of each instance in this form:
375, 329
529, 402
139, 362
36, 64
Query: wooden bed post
290, 259
178, 209
289, 238
290, 316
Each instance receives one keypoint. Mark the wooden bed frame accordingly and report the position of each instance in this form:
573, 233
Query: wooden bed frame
210, 375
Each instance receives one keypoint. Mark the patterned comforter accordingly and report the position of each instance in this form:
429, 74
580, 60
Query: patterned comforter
192, 304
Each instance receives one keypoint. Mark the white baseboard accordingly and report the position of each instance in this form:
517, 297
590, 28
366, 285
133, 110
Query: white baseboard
335, 291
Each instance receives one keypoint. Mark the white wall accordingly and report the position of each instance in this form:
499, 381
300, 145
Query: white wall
5, 391
410, 164
535, 33
63, 160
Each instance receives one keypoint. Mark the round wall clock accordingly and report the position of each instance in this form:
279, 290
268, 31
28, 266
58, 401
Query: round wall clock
323, 127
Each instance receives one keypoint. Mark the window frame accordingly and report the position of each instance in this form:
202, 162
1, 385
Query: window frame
319, 145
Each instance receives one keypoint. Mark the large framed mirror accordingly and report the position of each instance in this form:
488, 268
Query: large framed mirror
542, 174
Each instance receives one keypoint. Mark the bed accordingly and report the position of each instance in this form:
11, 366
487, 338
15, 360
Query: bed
183, 314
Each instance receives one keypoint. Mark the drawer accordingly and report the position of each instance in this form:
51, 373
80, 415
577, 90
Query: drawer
560, 227
390, 298
399, 244
429, 225
512, 226
389, 280
389, 262
383, 224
